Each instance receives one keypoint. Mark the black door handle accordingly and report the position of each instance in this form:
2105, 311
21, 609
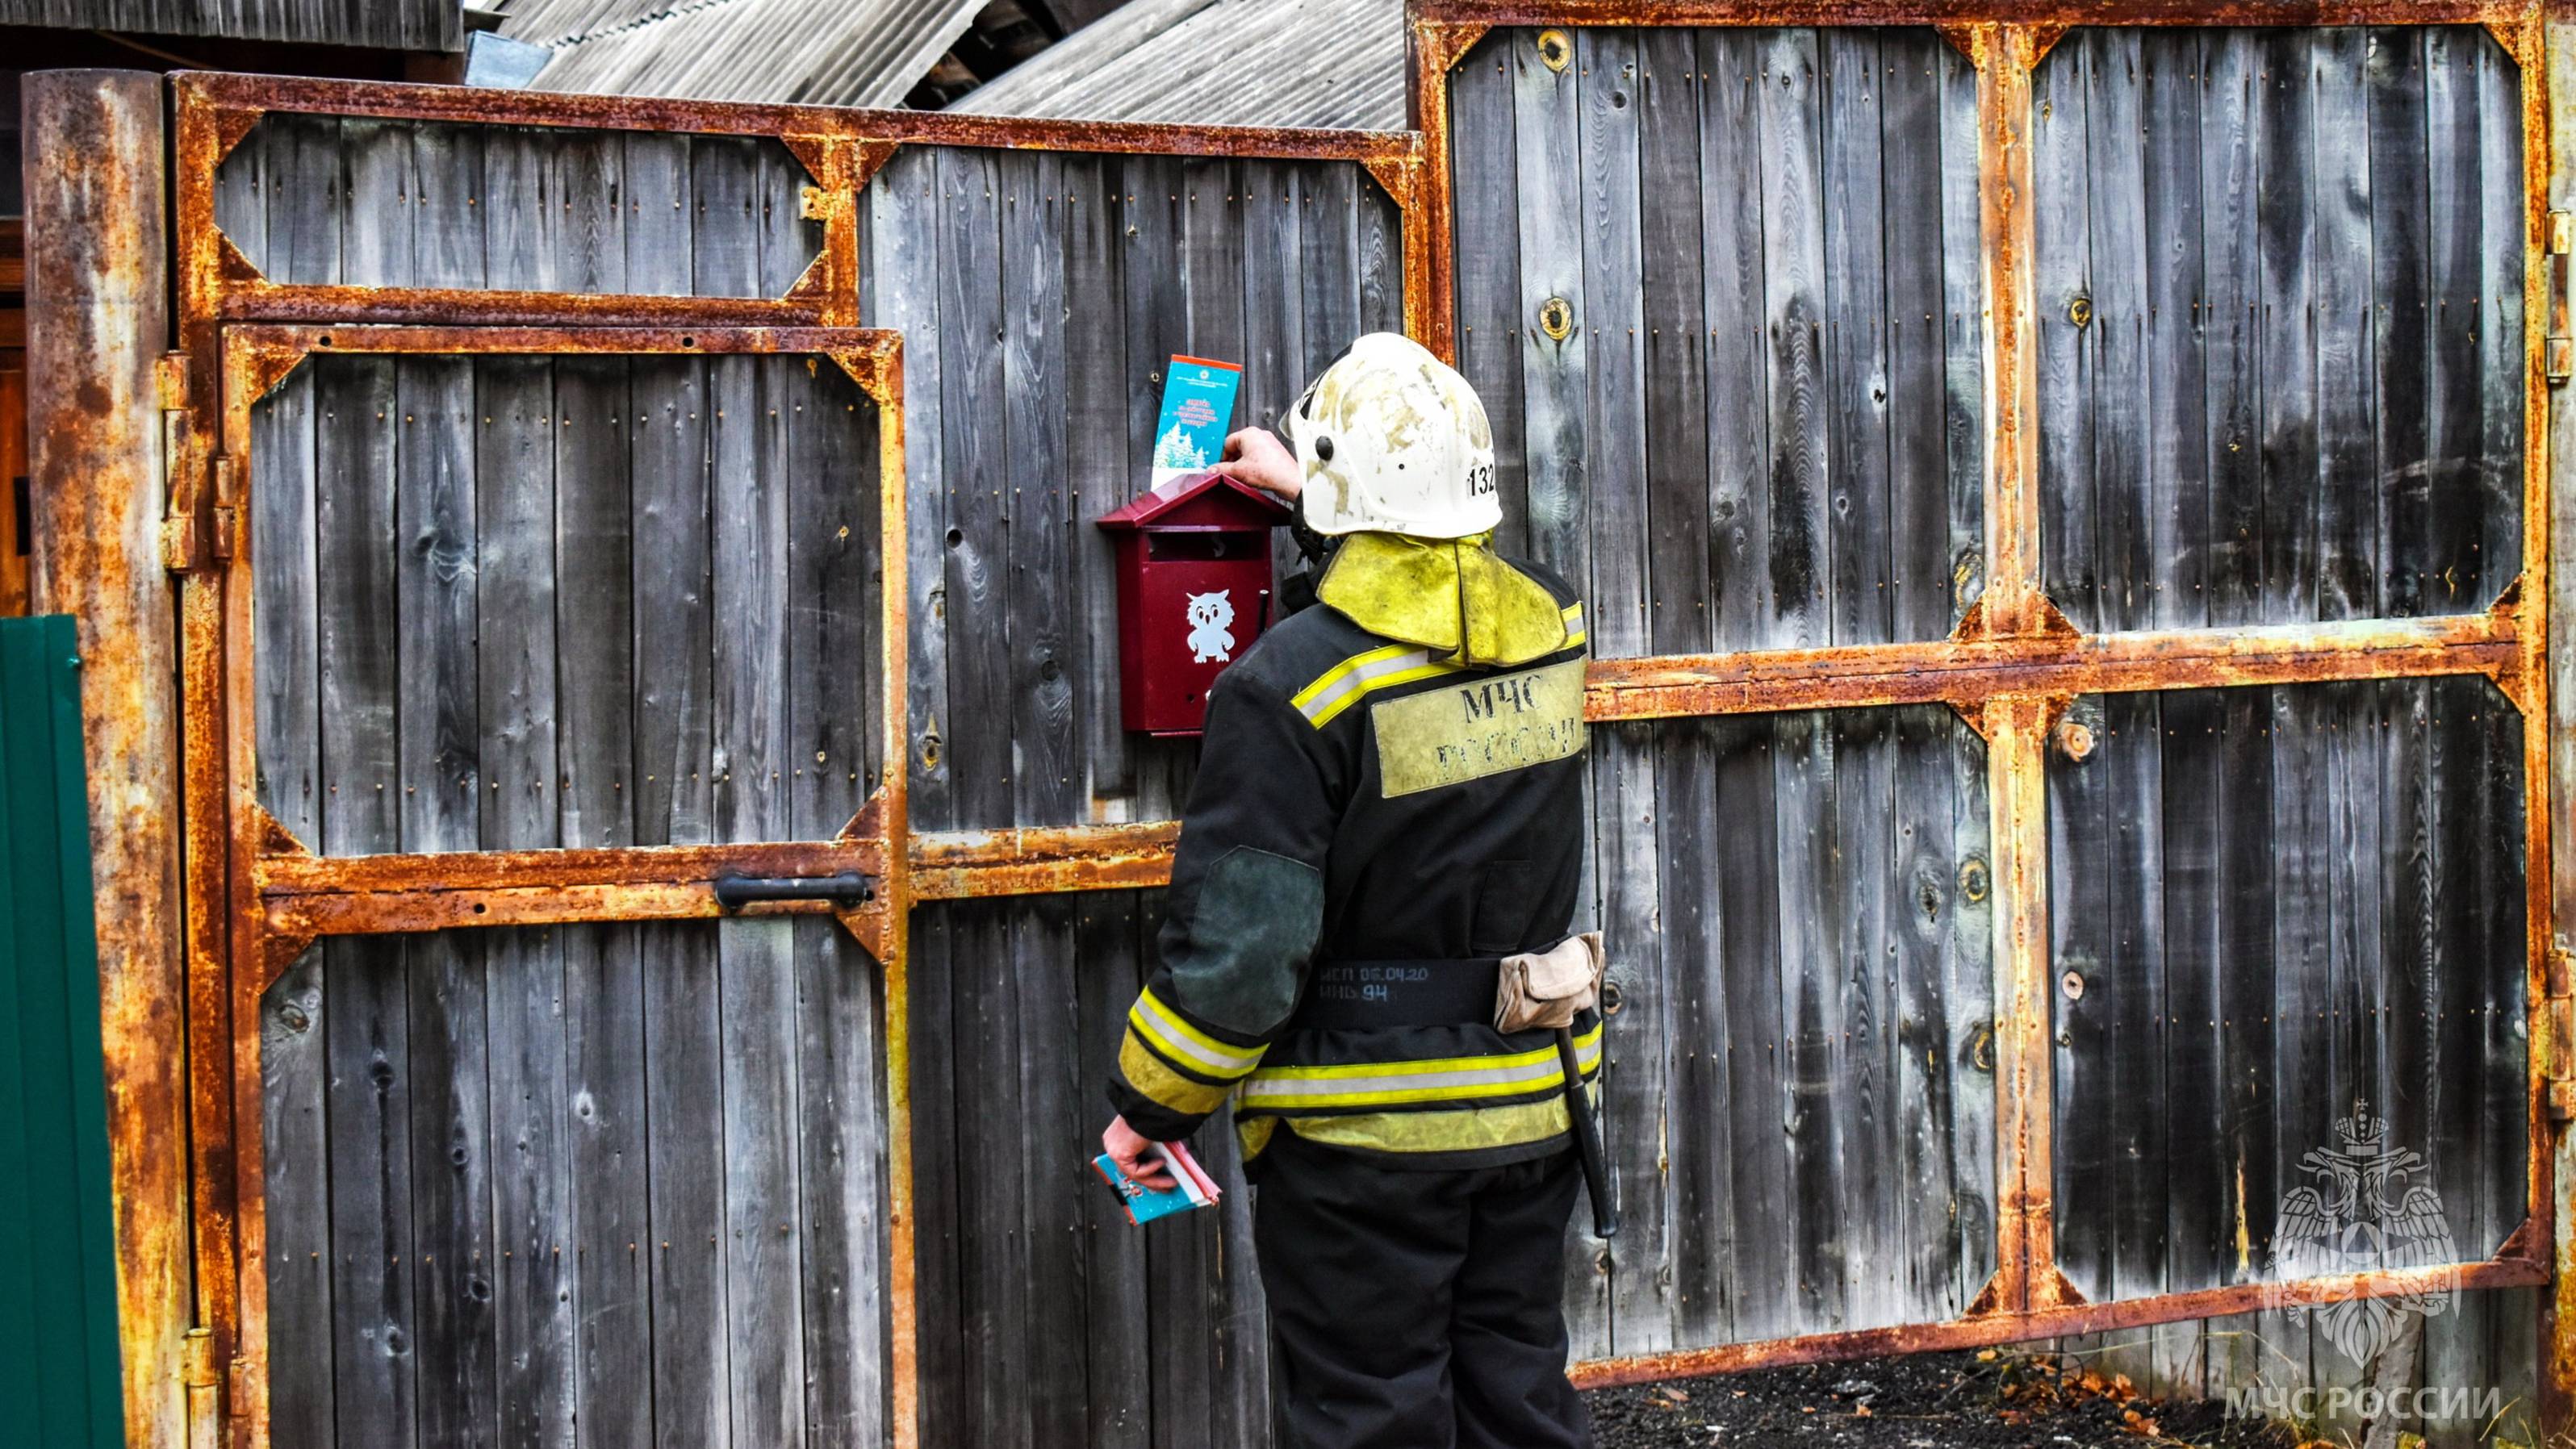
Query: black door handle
849, 888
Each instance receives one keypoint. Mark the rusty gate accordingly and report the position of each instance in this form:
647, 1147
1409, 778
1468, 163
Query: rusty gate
579, 499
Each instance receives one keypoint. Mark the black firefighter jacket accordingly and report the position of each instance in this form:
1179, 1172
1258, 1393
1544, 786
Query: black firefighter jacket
1367, 811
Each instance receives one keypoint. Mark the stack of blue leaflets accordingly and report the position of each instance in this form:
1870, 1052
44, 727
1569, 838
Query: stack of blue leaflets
1198, 408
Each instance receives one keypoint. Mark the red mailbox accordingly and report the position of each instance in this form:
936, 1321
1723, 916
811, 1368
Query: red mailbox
1194, 591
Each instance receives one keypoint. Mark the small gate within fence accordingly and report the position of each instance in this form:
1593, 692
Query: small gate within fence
2064, 510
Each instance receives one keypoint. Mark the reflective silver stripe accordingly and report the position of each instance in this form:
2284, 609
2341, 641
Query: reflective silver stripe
1177, 1039
1398, 1082
1327, 704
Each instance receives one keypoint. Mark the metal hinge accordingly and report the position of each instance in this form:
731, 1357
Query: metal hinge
178, 465
2559, 980
2562, 360
222, 469
202, 1389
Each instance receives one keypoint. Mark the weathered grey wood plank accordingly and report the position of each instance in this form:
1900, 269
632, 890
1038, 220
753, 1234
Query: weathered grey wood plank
2124, 517
2286, 178
1855, 339
517, 206
1055, 1105
938, 1298
656, 221
763, 1252
447, 241
748, 450
516, 656
2454, 215
747, 467
375, 206
1733, 274
2176, 437
2061, 216
1095, 464
2401, 324
1963, 331
1119, 1345
1969, 988
2129, 748
2347, 499
367, 1026
1923, 916
457, 1350
1618, 609
1487, 259
2231, 367
842, 1132
2503, 354
1792, 144
1555, 384
1917, 519
1157, 293
1274, 341
686, 1145
670, 404
293, 1059
1810, 911
901, 290
1700, 1034
303, 174
832, 598
604, 1072
1759, 1085
725, 199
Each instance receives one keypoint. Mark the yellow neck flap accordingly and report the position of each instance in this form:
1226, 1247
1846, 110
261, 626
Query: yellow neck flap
1453, 596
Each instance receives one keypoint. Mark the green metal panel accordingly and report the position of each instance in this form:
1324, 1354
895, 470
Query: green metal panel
58, 1343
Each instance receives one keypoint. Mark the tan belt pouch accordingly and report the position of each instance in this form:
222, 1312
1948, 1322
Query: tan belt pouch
1549, 988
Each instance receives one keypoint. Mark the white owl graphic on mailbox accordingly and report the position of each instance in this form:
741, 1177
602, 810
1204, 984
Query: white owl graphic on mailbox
1209, 616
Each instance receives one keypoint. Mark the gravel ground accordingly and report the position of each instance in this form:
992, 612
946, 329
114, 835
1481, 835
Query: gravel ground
1922, 1401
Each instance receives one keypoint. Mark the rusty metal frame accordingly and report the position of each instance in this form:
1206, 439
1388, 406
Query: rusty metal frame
841, 149
2014, 663
278, 898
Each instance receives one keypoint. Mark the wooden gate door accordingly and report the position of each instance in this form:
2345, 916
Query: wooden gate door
2065, 516
558, 666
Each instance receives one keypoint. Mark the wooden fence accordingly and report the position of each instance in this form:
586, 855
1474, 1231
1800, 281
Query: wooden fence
2062, 516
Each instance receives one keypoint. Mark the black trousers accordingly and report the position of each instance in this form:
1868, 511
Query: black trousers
1417, 1309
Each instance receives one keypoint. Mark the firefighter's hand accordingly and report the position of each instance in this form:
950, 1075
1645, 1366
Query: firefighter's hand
1257, 457
1136, 1155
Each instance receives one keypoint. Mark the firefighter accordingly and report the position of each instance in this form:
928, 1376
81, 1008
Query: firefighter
1367, 943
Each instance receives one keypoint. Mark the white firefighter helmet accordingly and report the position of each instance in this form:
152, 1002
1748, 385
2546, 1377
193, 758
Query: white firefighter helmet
1392, 440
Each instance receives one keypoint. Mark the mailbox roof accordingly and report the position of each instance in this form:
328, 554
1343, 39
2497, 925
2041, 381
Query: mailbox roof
1199, 500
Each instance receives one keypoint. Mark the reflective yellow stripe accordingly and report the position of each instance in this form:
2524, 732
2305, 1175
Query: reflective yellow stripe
1382, 1084
1468, 1129
1182, 1042
1350, 681
1347, 683
1147, 1073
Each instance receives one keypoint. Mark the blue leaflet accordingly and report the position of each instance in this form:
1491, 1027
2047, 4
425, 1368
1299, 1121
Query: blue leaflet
1198, 406
1144, 1204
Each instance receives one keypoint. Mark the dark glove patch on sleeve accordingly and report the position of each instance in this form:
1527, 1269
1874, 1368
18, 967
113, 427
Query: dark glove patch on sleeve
1252, 927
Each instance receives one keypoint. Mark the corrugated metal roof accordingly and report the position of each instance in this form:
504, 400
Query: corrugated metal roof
373, 24
819, 52
1333, 63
